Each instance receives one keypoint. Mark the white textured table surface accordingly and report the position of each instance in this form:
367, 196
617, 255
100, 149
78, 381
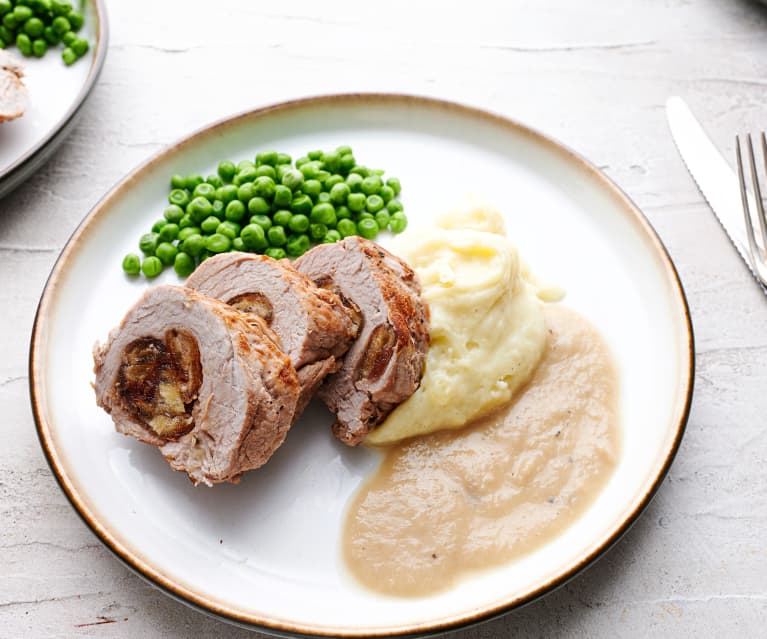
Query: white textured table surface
593, 73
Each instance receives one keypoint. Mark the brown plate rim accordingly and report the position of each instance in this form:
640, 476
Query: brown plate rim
425, 628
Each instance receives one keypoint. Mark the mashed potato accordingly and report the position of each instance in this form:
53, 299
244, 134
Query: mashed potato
487, 328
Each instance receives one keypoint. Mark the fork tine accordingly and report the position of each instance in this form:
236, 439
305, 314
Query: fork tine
753, 249
757, 193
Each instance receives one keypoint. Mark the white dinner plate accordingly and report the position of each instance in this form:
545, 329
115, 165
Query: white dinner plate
266, 553
56, 94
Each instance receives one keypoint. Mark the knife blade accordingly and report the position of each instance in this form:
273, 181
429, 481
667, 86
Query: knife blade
713, 175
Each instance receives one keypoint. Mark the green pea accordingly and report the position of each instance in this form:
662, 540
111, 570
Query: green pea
235, 211
354, 181
80, 47
298, 223
24, 44
365, 216
347, 163
383, 217
398, 222
226, 170
374, 203
210, 224
158, 225
6, 34
238, 245
344, 149
343, 212
323, 176
331, 237
10, 21
394, 206
218, 243
282, 217
68, 38
264, 221
183, 264
226, 193
324, 213
169, 232
166, 252
378, 172
301, 204
386, 193
254, 237
394, 184
281, 170
173, 213
283, 158
151, 266
317, 231
267, 157
244, 164
371, 185
332, 160
192, 180
230, 229
315, 155
76, 19
22, 13
267, 170
293, 179
60, 8
246, 192
215, 181
282, 195
179, 197
218, 209
346, 228
188, 231
312, 188
275, 253
185, 221
324, 198
194, 245
276, 236
311, 170
301, 161
331, 181
34, 27
258, 206
264, 187
297, 245
132, 264
360, 170
70, 57
5, 7
51, 37
248, 174
204, 256
199, 208
367, 228
356, 202
208, 191
177, 181
148, 243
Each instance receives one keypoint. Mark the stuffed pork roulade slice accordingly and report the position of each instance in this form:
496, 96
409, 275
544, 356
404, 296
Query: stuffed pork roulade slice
313, 324
385, 364
197, 378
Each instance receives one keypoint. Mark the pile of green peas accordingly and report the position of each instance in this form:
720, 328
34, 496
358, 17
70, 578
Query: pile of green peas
269, 206
35, 25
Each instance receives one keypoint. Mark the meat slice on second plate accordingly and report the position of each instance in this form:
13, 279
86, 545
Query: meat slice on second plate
385, 364
191, 375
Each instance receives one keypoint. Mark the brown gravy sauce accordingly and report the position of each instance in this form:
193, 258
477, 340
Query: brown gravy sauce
454, 502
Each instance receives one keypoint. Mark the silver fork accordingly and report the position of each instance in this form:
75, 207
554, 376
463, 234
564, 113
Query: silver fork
758, 250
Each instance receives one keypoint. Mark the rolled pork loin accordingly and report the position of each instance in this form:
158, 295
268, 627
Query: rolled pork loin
14, 97
385, 364
314, 326
196, 378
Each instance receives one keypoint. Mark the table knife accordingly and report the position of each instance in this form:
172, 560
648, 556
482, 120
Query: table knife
713, 175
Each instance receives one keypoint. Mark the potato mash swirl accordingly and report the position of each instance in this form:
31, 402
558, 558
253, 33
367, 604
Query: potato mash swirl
487, 327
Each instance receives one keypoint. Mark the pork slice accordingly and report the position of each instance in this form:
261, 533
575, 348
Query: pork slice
14, 97
191, 375
385, 364
313, 324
